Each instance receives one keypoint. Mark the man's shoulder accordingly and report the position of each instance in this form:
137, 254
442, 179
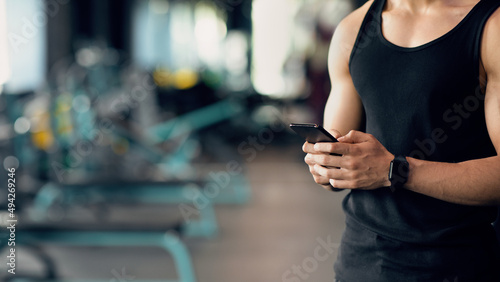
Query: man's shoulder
491, 32
349, 27
490, 42
493, 22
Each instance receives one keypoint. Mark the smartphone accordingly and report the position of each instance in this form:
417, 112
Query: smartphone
312, 133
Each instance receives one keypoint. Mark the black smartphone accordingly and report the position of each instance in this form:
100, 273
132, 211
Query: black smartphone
312, 133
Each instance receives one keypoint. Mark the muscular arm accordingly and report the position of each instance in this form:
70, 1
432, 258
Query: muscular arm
475, 182
343, 110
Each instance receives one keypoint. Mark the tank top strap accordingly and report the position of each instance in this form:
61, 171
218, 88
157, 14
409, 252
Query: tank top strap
370, 27
483, 10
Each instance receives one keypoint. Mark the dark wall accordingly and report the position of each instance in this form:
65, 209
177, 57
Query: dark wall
108, 21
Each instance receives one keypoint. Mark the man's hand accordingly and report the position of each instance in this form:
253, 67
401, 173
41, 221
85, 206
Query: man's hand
357, 161
310, 161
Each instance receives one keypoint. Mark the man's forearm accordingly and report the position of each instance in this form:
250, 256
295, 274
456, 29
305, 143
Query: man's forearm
475, 182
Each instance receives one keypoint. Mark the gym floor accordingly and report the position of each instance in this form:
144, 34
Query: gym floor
289, 231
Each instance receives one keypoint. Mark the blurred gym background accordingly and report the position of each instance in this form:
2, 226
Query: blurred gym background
149, 140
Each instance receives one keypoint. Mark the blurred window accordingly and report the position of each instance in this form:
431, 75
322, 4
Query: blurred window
26, 24
4, 63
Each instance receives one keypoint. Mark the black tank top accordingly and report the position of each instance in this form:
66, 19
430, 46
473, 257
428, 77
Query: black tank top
424, 102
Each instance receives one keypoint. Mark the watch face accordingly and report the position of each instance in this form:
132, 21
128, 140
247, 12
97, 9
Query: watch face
398, 172
391, 168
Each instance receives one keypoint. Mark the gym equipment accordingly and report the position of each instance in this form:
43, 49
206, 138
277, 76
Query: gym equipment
160, 192
119, 238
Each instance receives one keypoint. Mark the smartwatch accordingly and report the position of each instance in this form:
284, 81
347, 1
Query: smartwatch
398, 172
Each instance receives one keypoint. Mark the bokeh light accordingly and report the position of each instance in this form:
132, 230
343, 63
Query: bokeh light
10, 162
22, 125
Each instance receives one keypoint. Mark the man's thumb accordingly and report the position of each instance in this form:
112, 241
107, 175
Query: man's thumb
354, 137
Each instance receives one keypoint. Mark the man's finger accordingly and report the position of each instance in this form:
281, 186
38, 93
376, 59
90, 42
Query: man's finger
321, 180
325, 160
330, 173
308, 159
342, 184
332, 148
308, 148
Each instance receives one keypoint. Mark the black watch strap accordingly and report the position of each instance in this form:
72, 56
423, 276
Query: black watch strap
398, 172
